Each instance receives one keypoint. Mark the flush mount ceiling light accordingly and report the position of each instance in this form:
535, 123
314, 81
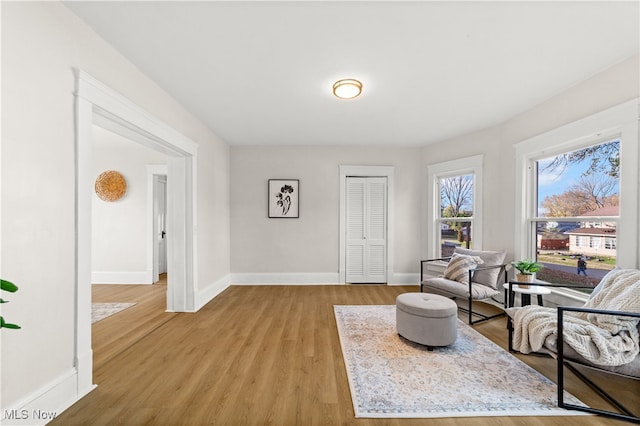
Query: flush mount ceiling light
348, 88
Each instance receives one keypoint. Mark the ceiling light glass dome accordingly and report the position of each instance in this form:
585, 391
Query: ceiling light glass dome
348, 88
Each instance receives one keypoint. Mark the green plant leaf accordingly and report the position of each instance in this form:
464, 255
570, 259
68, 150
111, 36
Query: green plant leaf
12, 326
8, 286
4, 324
11, 288
527, 266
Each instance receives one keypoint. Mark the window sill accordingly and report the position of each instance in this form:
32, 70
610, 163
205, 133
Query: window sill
566, 297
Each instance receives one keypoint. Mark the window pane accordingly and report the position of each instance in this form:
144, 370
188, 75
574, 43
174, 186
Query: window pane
561, 244
456, 211
454, 234
456, 196
579, 183
582, 183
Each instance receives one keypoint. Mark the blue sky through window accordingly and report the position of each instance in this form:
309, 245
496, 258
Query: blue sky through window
558, 181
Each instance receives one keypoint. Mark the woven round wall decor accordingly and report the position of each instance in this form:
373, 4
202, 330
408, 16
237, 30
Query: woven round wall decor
110, 186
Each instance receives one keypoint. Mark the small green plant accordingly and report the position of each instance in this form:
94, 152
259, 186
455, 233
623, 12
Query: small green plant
527, 267
11, 288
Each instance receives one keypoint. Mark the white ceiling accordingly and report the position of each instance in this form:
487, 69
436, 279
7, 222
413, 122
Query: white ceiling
260, 73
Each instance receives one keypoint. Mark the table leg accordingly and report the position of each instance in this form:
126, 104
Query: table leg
540, 300
525, 299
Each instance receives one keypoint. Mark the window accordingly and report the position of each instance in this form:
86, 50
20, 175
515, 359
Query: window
455, 212
455, 197
577, 192
610, 243
582, 241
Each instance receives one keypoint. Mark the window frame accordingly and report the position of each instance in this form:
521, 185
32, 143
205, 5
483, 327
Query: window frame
619, 122
464, 166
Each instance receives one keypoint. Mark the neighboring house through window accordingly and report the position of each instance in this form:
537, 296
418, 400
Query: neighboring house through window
596, 239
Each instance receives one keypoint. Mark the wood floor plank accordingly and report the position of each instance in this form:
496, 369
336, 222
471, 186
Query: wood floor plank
255, 355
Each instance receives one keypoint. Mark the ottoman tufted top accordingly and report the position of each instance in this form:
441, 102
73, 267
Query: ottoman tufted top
426, 305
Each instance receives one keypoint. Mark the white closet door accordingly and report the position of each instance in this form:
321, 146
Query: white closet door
366, 230
356, 264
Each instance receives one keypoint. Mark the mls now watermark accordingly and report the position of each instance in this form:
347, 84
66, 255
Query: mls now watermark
29, 415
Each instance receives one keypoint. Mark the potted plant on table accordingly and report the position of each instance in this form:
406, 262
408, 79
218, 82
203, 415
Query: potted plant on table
526, 271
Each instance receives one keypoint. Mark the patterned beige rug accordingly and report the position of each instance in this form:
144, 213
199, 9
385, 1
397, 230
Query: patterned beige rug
391, 377
100, 311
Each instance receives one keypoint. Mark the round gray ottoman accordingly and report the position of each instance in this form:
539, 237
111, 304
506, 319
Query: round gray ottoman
428, 319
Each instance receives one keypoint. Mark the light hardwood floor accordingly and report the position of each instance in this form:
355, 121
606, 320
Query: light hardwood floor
255, 355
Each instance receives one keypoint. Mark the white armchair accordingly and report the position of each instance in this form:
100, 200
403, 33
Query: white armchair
472, 275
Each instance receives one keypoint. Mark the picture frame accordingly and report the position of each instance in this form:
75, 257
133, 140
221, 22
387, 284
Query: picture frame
283, 198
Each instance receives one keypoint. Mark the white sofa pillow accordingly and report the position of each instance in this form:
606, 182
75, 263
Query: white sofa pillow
459, 265
490, 258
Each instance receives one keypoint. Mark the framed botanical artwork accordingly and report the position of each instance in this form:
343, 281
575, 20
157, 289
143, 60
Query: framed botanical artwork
284, 198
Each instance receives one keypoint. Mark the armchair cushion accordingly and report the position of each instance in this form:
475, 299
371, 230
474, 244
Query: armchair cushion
459, 265
487, 277
631, 369
450, 288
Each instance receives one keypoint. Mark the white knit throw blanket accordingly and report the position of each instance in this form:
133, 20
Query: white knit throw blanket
606, 340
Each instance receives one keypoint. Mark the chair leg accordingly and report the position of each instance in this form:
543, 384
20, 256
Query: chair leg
624, 413
510, 333
482, 317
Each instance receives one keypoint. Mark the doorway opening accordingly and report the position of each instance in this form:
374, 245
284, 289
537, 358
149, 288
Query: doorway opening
158, 240
99, 105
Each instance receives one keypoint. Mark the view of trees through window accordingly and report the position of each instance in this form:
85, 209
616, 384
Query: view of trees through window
578, 201
456, 212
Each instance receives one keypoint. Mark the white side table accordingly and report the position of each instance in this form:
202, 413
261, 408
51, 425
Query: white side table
525, 293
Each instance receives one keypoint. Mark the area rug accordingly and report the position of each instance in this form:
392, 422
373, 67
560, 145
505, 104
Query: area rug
100, 311
391, 377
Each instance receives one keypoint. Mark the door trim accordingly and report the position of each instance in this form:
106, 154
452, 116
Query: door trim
98, 104
365, 171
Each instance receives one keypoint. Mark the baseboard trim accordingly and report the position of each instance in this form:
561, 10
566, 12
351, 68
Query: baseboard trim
286, 278
43, 405
207, 294
312, 278
405, 279
140, 277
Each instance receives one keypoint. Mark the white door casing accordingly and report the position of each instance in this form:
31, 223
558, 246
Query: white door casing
366, 230
98, 104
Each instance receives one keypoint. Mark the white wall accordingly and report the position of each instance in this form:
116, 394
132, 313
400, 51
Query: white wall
309, 245
42, 44
119, 228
